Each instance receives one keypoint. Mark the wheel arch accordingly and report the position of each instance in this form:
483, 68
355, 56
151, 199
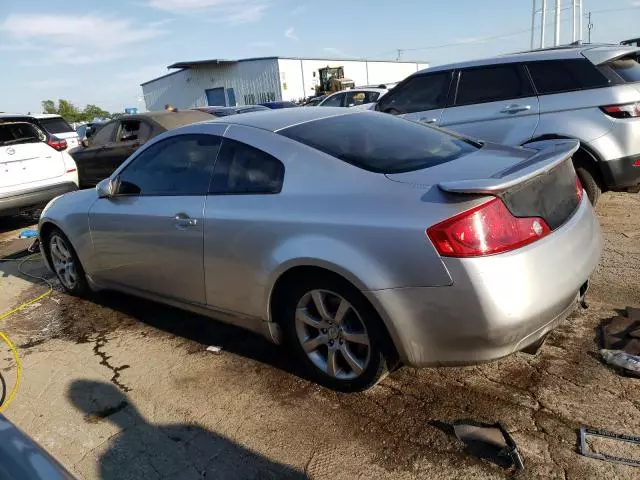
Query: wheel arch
294, 271
585, 152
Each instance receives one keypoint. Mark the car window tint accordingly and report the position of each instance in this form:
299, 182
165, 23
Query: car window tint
55, 125
128, 131
242, 169
492, 84
380, 143
628, 68
417, 94
333, 101
15, 133
104, 134
557, 76
179, 165
144, 133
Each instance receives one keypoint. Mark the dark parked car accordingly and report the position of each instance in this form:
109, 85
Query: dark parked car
277, 105
114, 141
226, 111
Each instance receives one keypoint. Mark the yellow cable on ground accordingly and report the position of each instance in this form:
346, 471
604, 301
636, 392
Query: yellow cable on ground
4, 337
18, 373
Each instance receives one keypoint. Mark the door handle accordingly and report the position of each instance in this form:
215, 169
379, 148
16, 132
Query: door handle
183, 220
515, 108
428, 120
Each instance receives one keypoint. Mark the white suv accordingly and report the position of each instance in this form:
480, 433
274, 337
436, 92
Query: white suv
34, 168
49, 123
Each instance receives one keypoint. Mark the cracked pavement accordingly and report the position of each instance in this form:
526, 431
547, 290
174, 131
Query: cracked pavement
117, 387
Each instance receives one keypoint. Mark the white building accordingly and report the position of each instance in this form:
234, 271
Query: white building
257, 80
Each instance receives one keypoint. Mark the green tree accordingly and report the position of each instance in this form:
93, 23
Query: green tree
92, 111
49, 106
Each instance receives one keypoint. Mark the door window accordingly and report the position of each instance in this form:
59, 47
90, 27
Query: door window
492, 84
131, 130
417, 94
557, 76
242, 169
360, 98
333, 101
179, 165
104, 135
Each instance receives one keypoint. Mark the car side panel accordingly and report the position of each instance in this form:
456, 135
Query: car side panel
370, 226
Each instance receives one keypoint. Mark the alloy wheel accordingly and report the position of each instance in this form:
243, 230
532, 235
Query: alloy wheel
332, 334
63, 262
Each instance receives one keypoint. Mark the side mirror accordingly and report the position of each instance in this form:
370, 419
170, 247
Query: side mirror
106, 188
85, 142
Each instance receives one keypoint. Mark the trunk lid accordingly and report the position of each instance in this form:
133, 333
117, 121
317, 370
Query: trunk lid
537, 181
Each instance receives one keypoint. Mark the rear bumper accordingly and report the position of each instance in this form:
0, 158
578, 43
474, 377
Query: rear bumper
498, 304
620, 173
12, 204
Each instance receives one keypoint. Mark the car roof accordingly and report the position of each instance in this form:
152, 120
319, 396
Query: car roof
563, 52
170, 120
363, 89
46, 115
274, 120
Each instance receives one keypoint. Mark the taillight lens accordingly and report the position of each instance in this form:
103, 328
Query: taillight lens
579, 189
629, 110
487, 229
57, 143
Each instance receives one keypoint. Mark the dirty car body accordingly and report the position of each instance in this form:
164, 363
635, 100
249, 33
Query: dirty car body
466, 252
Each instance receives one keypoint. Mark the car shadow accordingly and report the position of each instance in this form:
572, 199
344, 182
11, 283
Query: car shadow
18, 221
143, 450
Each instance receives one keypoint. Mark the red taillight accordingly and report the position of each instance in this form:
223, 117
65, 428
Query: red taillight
579, 189
57, 143
636, 163
629, 110
487, 229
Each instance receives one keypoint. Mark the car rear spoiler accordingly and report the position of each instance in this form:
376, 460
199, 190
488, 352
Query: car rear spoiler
600, 55
551, 153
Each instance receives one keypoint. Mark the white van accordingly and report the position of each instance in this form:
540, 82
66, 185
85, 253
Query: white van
34, 168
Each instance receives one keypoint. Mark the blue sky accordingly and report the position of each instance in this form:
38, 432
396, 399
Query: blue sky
99, 52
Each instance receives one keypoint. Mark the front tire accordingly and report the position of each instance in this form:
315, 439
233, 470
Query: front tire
336, 334
66, 264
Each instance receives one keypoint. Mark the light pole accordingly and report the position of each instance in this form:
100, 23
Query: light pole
556, 37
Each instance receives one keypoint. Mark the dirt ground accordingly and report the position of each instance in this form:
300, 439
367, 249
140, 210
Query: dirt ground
118, 387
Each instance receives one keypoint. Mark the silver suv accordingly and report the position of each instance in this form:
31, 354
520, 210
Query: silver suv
586, 92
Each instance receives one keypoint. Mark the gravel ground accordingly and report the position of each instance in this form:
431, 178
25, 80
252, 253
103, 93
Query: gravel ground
118, 387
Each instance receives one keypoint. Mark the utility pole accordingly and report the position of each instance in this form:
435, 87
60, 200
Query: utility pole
400, 52
589, 27
556, 37
543, 21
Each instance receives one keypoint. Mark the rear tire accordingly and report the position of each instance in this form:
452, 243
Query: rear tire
335, 333
589, 183
66, 264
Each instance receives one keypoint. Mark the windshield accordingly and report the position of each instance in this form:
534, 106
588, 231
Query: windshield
381, 143
14, 133
55, 125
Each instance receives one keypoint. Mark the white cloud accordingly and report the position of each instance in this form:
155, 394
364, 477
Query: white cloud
290, 33
261, 44
335, 51
68, 38
224, 11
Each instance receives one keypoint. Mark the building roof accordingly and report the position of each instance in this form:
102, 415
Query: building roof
218, 61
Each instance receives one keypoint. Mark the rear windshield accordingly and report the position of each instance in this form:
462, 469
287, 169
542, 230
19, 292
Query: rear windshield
628, 68
381, 143
14, 133
55, 125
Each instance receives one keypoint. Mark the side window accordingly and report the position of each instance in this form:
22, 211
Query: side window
145, 132
356, 98
242, 169
104, 134
333, 101
492, 84
179, 165
557, 76
420, 93
128, 131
